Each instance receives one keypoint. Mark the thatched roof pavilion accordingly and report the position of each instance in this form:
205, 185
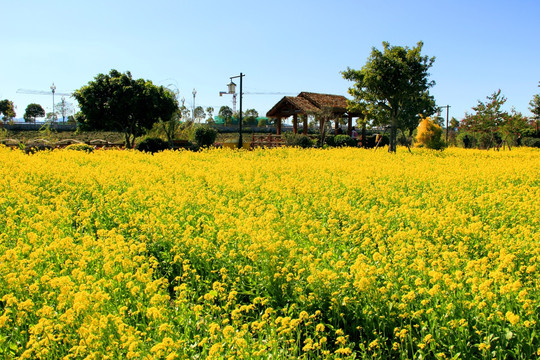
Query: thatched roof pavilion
308, 103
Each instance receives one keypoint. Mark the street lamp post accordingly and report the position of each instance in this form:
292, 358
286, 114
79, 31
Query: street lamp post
53, 88
194, 92
232, 90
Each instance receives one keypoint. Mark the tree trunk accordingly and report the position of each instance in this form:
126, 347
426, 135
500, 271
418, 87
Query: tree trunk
393, 133
127, 139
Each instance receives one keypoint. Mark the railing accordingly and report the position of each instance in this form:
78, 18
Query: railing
98, 144
267, 141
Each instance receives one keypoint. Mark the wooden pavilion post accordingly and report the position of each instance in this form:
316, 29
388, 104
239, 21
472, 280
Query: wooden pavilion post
295, 124
305, 124
336, 126
349, 125
278, 126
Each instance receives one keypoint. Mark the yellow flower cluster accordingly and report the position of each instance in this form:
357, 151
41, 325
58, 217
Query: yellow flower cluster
284, 253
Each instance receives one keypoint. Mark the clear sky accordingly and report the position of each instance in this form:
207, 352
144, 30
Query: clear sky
285, 46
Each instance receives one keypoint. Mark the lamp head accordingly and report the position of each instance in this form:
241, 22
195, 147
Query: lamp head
231, 87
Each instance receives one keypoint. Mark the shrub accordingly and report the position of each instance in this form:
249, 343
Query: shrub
298, 140
344, 140
262, 123
531, 142
33, 148
152, 145
80, 147
205, 136
371, 140
468, 141
330, 140
429, 135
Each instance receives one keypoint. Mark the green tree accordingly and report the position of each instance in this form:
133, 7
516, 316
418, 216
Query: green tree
117, 102
210, 114
513, 126
226, 113
262, 123
535, 109
32, 112
395, 83
250, 117
171, 127
7, 109
484, 123
50, 116
491, 125
199, 114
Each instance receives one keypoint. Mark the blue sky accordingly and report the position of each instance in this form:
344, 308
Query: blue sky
281, 46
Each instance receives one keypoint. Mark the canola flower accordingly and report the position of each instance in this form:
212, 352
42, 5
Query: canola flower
288, 253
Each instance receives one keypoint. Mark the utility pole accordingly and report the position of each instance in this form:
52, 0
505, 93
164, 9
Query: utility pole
232, 90
447, 111
194, 92
53, 88
439, 114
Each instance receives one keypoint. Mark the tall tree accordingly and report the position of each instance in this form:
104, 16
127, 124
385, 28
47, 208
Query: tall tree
7, 109
490, 124
199, 114
484, 123
226, 113
250, 117
32, 112
535, 109
117, 102
393, 81
210, 114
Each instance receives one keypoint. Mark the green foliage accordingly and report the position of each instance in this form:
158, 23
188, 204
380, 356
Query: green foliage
7, 109
344, 140
490, 125
466, 140
199, 114
80, 147
531, 142
226, 114
393, 85
535, 109
32, 148
330, 140
152, 145
250, 117
297, 140
32, 112
262, 123
205, 136
210, 114
117, 102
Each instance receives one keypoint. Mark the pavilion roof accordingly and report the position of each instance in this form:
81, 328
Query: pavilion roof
326, 100
308, 103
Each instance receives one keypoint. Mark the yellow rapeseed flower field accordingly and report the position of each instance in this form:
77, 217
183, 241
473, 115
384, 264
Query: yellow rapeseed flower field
284, 253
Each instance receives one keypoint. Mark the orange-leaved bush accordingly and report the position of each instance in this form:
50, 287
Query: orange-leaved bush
429, 134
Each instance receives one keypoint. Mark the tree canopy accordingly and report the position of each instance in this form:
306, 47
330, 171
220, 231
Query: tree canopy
535, 109
394, 85
226, 113
32, 112
490, 124
199, 114
7, 109
117, 102
250, 117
